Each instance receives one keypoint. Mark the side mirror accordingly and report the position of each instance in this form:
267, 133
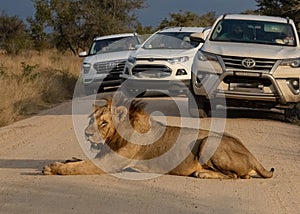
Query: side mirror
83, 54
198, 37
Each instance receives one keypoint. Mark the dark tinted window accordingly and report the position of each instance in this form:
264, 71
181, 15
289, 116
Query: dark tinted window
254, 32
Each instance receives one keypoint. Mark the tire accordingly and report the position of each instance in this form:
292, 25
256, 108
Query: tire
198, 106
292, 115
130, 92
100, 89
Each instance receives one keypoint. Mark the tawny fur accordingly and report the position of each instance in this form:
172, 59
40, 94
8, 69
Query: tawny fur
231, 159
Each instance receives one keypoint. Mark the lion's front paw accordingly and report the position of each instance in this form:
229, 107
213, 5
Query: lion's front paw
55, 168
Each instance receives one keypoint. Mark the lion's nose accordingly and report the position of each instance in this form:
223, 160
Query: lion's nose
88, 135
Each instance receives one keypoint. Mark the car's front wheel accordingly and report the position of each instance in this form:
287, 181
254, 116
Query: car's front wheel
198, 106
293, 114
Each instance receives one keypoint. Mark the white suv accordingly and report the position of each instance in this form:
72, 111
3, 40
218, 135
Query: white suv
163, 62
248, 61
105, 61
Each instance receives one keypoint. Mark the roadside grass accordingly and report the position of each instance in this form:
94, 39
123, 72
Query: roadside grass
33, 81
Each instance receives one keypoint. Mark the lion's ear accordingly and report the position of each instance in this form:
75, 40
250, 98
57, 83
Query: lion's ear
99, 103
121, 113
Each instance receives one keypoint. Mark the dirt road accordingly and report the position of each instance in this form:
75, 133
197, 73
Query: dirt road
26, 146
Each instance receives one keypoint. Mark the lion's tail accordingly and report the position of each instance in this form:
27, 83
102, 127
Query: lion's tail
262, 172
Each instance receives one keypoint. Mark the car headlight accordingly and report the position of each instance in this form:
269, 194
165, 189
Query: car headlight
178, 59
131, 59
294, 63
204, 56
86, 67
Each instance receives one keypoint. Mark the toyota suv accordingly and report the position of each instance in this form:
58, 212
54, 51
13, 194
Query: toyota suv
163, 62
247, 61
105, 61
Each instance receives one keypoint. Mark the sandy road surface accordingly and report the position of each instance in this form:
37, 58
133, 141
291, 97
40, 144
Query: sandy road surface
26, 146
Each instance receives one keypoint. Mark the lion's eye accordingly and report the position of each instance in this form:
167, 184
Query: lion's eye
104, 123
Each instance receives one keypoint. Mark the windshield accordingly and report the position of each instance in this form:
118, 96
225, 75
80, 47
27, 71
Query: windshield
250, 31
171, 40
114, 44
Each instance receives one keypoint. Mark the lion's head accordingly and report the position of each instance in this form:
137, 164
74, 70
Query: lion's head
109, 119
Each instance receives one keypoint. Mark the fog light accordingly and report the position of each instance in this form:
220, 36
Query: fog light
294, 85
181, 72
295, 64
86, 67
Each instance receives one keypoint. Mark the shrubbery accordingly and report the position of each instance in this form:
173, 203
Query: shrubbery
29, 84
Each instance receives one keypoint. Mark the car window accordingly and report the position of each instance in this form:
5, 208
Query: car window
114, 44
171, 40
254, 32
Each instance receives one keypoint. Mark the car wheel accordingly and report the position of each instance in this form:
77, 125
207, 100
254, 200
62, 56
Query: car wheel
100, 89
292, 115
198, 106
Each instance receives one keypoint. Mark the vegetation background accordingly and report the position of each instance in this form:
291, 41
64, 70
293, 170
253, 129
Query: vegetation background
39, 65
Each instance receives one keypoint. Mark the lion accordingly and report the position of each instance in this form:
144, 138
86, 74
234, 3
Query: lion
126, 136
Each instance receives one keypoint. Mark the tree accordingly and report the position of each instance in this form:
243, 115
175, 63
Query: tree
283, 8
74, 23
38, 23
13, 34
188, 18
140, 29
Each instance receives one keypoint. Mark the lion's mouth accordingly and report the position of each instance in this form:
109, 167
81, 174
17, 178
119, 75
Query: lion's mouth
96, 147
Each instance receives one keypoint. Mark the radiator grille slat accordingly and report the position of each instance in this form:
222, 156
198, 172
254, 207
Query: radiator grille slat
112, 67
165, 70
235, 64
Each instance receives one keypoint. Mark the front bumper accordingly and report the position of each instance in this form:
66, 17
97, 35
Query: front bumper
214, 85
102, 81
156, 84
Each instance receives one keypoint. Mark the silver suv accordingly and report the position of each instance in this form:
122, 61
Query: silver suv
247, 61
105, 61
163, 62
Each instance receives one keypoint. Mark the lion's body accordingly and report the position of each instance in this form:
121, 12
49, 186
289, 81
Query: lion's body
152, 147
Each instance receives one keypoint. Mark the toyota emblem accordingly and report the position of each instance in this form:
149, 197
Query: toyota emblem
248, 63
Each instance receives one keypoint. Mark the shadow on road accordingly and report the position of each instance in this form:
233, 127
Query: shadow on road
25, 164
171, 106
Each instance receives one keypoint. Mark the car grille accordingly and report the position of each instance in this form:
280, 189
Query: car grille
165, 70
115, 67
235, 64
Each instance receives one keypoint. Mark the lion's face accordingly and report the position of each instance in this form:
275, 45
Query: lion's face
102, 123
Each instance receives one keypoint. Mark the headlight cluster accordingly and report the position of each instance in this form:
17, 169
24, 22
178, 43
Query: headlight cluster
131, 59
178, 60
86, 67
203, 56
294, 63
